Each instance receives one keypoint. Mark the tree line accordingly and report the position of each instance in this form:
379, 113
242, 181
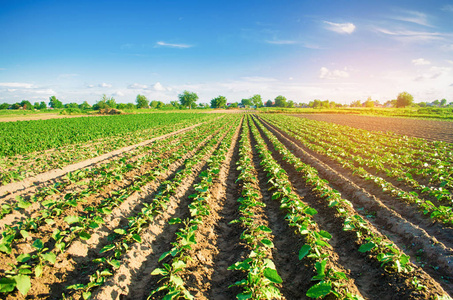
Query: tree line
187, 100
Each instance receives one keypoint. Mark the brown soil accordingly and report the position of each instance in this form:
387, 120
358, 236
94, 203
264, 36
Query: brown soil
219, 244
427, 129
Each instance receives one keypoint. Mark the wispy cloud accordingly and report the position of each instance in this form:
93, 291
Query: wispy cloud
325, 73
412, 36
16, 85
104, 85
448, 8
447, 47
420, 62
344, 28
413, 17
281, 42
181, 46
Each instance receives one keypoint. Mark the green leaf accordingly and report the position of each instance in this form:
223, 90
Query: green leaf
7, 285
319, 290
367, 247
325, 234
84, 235
71, 219
137, 238
107, 248
114, 263
86, 295
311, 211
264, 228
174, 221
38, 270
267, 242
272, 275
23, 283
24, 234
120, 231
244, 296
23, 204
304, 251
38, 244
23, 257
50, 257
159, 271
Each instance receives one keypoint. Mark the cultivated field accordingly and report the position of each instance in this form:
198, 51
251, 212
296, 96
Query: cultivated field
224, 206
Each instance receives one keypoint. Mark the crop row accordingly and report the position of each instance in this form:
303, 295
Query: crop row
371, 241
262, 277
174, 261
30, 136
18, 167
300, 216
441, 213
76, 226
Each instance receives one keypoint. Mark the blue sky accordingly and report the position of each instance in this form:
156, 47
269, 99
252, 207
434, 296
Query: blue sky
304, 50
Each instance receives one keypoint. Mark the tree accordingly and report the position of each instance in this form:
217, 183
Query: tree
290, 104
256, 100
26, 104
246, 102
280, 101
36, 105
175, 104
85, 105
356, 103
71, 105
4, 106
188, 99
404, 99
219, 102
111, 103
55, 103
142, 101
369, 102
443, 102
269, 103
233, 105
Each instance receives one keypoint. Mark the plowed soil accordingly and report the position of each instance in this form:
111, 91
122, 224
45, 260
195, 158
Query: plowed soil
427, 129
218, 239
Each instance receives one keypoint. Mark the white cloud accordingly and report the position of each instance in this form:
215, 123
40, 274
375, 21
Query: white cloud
11, 90
341, 27
16, 85
137, 86
118, 94
105, 85
450, 61
158, 87
281, 42
325, 73
420, 62
164, 44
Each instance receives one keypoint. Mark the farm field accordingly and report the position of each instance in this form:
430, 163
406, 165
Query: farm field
431, 130
225, 206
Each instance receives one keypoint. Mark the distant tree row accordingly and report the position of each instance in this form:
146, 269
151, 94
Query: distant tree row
188, 100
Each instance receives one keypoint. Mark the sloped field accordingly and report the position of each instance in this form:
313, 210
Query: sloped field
247, 207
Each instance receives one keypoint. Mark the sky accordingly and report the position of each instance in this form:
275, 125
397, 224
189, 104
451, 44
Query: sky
337, 50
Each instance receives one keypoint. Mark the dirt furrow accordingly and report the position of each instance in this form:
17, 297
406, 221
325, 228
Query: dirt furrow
432, 255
